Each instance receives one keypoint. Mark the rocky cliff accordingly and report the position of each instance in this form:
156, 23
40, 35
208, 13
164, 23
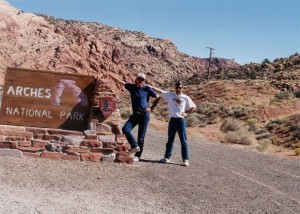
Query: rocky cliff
41, 42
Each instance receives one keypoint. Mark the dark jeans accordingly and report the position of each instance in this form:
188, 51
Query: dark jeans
177, 125
142, 121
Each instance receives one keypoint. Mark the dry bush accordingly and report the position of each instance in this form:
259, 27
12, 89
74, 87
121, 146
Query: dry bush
203, 120
252, 121
295, 128
264, 136
237, 111
297, 144
263, 145
192, 120
284, 95
206, 108
125, 113
276, 123
253, 126
238, 98
276, 141
276, 102
242, 137
231, 124
214, 120
297, 94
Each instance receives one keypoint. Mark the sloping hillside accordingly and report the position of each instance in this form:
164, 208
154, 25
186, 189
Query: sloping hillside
41, 42
256, 104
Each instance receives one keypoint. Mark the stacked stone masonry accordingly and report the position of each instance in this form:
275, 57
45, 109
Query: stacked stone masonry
57, 144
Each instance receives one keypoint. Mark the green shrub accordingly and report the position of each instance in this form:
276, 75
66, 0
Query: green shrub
231, 124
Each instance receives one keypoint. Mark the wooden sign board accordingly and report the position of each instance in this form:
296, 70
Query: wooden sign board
46, 99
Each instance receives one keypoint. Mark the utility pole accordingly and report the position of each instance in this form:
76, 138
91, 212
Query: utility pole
208, 69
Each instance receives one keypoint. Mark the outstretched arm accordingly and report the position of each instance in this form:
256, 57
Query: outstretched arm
117, 79
158, 90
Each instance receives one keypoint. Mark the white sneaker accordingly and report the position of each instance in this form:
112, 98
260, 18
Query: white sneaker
186, 162
165, 160
134, 150
136, 159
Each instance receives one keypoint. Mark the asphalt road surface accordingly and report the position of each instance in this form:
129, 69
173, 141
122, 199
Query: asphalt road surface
220, 179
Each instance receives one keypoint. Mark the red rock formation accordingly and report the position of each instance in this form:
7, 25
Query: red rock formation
41, 42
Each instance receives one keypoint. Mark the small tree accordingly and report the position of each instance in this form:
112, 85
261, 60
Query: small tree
266, 61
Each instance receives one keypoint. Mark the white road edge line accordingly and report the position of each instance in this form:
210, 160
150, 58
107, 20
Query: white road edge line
296, 176
265, 185
258, 182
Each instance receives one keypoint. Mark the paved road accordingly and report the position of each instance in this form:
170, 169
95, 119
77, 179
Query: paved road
220, 179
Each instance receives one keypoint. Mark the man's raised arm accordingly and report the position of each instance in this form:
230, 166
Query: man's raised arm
158, 90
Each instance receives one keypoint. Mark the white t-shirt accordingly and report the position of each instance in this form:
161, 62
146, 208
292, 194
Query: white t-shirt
177, 103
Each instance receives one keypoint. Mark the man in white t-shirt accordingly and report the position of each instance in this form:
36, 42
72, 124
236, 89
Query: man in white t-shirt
180, 105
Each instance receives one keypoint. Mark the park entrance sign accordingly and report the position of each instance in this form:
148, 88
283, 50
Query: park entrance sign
46, 99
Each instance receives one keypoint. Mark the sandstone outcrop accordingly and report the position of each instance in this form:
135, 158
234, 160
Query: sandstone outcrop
37, 41
282, 73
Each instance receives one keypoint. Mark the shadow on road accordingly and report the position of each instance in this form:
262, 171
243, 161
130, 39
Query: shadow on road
157, 161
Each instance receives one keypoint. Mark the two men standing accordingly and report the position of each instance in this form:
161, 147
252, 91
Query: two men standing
179, 106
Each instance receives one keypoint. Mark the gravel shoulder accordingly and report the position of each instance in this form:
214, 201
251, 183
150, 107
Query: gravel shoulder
220, 179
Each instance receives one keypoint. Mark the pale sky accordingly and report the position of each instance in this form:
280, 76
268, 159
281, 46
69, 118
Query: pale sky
244, 30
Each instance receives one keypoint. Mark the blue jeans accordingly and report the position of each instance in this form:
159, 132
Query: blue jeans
177, 125
142, 121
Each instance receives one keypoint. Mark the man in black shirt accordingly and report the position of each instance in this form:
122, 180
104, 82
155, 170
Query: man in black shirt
140, 95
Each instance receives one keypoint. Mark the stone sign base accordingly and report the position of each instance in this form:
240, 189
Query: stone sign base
57, 144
